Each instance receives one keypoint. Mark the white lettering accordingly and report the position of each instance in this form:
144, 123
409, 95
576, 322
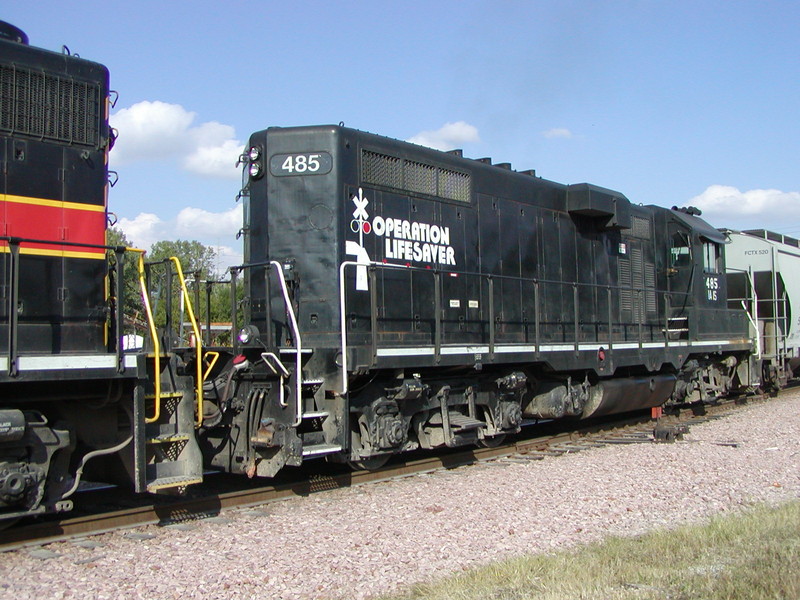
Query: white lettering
378, 226
413, 241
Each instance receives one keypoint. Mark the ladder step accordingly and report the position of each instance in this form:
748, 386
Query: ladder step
318, 414
463, 423
294, 351
321, 450
168, 438
165, 395
164, 483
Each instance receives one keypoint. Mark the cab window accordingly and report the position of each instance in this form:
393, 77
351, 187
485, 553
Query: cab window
711, 257
680, 253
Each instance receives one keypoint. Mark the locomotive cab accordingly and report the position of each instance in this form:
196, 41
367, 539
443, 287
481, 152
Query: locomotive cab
696, 279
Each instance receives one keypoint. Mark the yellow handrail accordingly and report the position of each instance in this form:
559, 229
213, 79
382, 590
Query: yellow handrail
198, 340
200, 376
214, 357
153, 334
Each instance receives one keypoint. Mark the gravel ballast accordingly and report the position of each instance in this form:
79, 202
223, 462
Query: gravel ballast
356, 543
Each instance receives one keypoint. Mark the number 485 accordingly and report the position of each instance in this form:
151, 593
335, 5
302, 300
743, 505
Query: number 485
301, 163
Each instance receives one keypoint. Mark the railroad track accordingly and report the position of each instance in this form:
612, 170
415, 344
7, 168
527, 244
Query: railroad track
536, 445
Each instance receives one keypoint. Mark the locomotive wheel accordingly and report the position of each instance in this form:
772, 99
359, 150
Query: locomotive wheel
373, 463
493, 441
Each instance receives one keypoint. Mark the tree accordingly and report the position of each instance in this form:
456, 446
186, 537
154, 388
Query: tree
195, 258
132, 297
197, 263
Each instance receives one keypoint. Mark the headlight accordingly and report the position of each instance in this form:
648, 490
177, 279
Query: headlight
255, 170
248, 334
254, 153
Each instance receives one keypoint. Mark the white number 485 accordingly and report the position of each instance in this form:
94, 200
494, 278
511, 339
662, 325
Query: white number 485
301, 163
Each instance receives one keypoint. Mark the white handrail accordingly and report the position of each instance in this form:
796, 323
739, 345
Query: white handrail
298, 343
343, 308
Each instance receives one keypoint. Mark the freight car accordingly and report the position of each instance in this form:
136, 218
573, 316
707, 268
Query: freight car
760, 264
395, 297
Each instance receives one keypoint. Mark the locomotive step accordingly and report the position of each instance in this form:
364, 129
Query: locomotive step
168, 438
165, 395
304, 351
316, 414
458, 422
320, 450
172, 482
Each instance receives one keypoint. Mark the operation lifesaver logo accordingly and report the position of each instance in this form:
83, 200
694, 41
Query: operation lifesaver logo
410, 241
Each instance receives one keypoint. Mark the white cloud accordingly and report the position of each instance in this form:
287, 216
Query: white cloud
144, 230
196, 223
157, 130
190, 224
727, 206
558, 132
448, 136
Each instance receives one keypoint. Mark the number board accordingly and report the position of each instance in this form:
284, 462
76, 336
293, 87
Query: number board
304, 163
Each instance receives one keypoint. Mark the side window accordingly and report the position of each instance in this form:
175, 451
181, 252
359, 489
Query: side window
680, 252
711, 256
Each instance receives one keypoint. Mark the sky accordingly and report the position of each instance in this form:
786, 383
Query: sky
670, 103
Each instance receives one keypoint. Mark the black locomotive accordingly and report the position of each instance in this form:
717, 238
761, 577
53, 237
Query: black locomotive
395, 297
401, 297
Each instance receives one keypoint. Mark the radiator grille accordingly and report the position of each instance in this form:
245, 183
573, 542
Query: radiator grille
420, 178
49, 107
381, 169
454, 185
634, 274
650, 287
415, 177
625, 294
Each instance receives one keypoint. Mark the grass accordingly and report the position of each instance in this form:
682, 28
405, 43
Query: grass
748, 556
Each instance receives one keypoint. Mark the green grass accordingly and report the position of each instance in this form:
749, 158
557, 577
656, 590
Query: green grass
748, 556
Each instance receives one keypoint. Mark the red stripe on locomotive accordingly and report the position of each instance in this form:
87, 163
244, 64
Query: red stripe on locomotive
52, 220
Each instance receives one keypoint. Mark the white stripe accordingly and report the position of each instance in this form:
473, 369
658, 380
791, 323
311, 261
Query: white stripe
505, 349
456, 350
465, 349
428, 350
70, 362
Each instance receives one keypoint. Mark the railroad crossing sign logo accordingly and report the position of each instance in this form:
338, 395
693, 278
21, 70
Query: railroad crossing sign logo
360, 221
360, 225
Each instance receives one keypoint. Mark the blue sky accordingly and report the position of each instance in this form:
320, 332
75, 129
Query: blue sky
670, 103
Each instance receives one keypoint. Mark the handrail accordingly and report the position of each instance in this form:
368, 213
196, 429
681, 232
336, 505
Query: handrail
153, 335
640, 313
15, 249
298, 343
199, 379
